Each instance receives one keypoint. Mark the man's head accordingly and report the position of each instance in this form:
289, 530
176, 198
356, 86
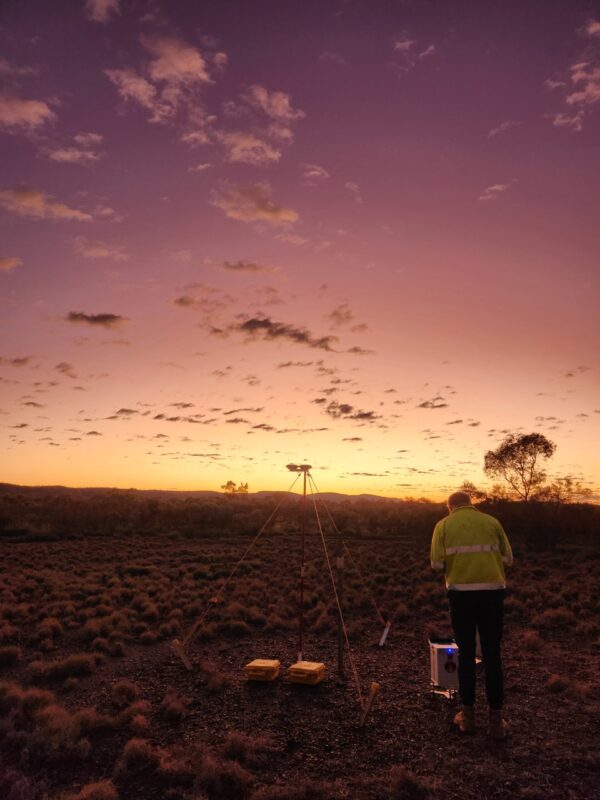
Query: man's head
458, 500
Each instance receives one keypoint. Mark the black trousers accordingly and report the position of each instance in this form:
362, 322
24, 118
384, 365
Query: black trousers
484, 611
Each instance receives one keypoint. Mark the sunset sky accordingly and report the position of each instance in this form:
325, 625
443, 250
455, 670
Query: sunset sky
358, 233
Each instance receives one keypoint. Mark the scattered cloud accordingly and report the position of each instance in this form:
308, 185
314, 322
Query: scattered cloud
8, 263
277, 106
167, 84
436, 402
267, 330
581, 84
202, 167
101, 320
16, 362
333, 58
409, 52
66, 369
245, 148
89, 249
314, 174
346, 411
83, 151
495, 190
354, 190
247, 266
252, 204
502, 128
20, 115
101, 10
28, 202
562, 120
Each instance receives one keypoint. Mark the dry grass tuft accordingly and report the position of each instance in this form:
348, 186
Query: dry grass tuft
101, 790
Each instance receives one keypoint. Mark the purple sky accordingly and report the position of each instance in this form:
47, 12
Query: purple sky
369, 230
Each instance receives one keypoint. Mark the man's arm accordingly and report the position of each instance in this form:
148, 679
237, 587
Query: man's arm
505, 548
438, 552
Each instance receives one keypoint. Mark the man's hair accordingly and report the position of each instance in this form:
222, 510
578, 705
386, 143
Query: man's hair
459, 499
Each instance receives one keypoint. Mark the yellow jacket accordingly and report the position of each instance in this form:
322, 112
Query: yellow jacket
472, 548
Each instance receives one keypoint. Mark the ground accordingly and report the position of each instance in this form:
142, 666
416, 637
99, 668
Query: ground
86, 624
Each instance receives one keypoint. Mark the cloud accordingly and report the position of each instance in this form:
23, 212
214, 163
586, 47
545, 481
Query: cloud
592, 27
341, 315
354, 190
346, 411
502, 128
83, 151
200, 167
333, 58
278, 108
586, 78
89, 249
409, 52
494, 191
102, 320
573, 121
101, 10
7, 263
66, 369
314, 174
28, 202
16, 362
18, 115
175, 61
167, 84
268, 330
247, 266
252, 204
436, 402
245, 148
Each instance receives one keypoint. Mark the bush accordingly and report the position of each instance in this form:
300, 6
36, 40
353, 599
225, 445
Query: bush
124, 692
75, 666
102, 790
9, 655
138, 757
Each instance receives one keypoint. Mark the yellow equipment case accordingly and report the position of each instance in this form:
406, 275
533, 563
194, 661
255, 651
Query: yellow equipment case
262, 669
309, 672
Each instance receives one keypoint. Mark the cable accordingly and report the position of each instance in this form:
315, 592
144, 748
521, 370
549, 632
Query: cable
380, 616
217, 597
339, 606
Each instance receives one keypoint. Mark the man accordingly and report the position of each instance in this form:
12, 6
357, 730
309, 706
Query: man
472, 548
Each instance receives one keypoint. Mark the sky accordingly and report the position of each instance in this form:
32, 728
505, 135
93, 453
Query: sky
359, 234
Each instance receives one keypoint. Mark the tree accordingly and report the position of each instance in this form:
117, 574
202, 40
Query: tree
516, 461
563, 490
473, 492
232, 488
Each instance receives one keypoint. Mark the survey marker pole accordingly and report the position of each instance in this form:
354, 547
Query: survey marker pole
339, 562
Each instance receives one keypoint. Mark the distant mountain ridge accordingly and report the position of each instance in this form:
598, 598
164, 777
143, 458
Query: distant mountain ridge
14, 488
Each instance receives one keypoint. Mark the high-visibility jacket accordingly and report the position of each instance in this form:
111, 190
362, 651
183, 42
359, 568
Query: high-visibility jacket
472, 548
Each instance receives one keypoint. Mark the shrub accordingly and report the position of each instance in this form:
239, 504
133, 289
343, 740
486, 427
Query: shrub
405, 785
101, 790
173, 707
75, 666
251, 751
138, 756
531, 641
554, 618
557, 684
9, 655
222, 780
124, 692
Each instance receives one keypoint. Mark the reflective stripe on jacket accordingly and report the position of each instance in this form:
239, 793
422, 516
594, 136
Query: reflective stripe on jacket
472, 548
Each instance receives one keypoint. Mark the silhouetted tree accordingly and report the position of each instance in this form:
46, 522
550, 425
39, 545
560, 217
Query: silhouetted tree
473, 492
516, 461
564, 490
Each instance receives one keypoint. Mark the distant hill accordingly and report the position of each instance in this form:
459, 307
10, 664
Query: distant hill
173, 494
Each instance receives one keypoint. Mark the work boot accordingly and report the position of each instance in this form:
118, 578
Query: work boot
465, 720
497, 726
